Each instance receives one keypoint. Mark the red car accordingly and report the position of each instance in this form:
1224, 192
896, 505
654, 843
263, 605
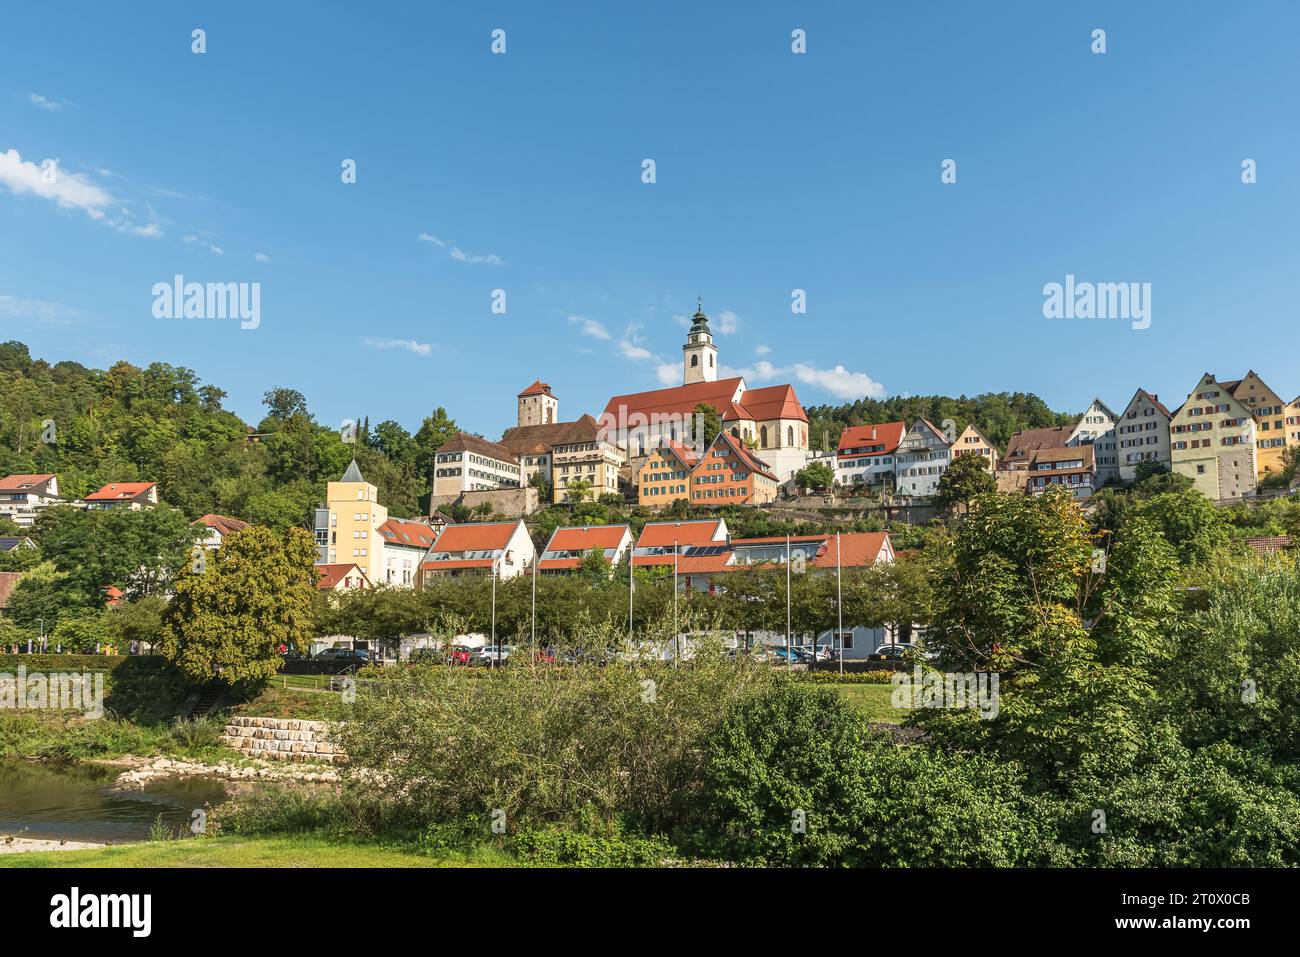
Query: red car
459, 655
544, 656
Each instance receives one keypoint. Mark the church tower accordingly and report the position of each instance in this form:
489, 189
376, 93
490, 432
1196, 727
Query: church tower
699, 354
538, 405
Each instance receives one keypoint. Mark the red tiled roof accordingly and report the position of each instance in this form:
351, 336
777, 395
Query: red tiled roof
888, 434
1030, 440
569, 539
1155, 400
772, 402
13, 483
120, 491
457, 563
658, 534
474, 537
331, 575
464, 442
687, 456
224, 524
752, 462
1261, 545
860, 549
537, 388
679, 399
398, 531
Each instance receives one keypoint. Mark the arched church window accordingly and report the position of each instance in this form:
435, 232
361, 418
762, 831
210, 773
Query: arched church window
762, 437
695, 360
790, 435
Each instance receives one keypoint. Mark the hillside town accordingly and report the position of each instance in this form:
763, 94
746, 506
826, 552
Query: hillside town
651, 449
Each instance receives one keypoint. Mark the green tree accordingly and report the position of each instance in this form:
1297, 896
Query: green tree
228, 620
712, 422
817, 475
963, 481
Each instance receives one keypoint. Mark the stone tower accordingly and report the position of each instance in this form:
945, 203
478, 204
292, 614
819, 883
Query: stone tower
538, 406
699, 354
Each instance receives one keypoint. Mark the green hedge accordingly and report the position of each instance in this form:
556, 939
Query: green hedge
51, 663
878, 677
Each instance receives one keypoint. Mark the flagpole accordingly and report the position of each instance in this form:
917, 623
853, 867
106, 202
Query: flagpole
494, 613
787, 601
535, 560
839, 601
677, 639
631, 561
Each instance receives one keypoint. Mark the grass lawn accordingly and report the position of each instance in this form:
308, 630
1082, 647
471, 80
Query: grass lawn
292, 851
873, 700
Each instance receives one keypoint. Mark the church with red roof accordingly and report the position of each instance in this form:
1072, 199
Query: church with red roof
769, 420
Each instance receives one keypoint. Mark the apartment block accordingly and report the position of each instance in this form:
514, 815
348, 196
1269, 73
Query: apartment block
1142, 434
467, 463
665, 476
1212, 441
729, 474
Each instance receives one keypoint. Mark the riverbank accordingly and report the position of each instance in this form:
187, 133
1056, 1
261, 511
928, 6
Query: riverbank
18, 845
289, 851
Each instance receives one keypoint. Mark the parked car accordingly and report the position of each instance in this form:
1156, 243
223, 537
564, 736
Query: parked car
897, 651
491, 655
544, 656
791, 655
356, 656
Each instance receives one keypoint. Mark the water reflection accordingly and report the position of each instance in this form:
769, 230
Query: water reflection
79, 803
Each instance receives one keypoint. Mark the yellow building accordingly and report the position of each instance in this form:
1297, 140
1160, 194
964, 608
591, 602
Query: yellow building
347, 529
1271, 414
973, 442
1212, 441
666, 475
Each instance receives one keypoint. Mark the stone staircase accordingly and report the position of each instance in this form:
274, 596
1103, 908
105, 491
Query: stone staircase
282, 739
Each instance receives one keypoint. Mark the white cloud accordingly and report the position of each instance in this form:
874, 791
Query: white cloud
45, 103
631, 344
590, 327
69, 190
262, 257
192, 240
53, 313
728, 321
840, 382
153, 230
681, 320
410, 345
491, 258
669, 373
762, 350
456, 253
632, 351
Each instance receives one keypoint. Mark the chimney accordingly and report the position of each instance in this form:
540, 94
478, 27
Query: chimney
873, 433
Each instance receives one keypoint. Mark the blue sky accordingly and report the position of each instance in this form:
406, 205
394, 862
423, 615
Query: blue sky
775, 171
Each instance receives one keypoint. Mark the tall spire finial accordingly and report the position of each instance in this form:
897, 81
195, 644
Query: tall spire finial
699, 303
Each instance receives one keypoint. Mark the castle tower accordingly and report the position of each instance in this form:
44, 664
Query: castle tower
699, 354
538, 406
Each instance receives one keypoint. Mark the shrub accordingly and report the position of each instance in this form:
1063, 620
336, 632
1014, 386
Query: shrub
796, 778
544, 744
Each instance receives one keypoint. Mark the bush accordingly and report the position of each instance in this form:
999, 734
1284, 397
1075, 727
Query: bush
796, 778
546, 745
554, 847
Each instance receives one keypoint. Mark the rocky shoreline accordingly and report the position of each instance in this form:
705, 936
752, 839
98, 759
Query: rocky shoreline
141, 775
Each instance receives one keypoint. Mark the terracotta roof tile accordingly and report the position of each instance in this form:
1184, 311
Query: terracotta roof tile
120, 491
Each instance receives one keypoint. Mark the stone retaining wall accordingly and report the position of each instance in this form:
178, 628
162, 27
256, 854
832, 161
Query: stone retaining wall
282, 739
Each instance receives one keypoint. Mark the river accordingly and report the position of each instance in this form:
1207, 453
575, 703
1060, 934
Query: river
78, 802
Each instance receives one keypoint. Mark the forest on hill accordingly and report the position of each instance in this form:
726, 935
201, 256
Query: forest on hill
997, 414
161, 424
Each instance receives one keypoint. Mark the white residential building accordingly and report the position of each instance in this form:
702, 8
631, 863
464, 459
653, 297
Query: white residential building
1142, 434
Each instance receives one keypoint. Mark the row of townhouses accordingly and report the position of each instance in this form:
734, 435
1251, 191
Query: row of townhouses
1228, 436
